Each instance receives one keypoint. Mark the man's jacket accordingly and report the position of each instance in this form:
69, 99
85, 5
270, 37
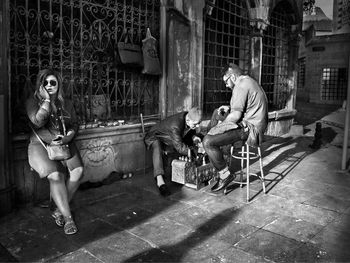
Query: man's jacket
173, 132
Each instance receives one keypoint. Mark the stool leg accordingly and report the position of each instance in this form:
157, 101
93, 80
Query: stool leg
247, 170
261, 170
242, 165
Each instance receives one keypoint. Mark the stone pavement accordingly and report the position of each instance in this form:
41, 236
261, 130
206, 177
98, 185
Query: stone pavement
304, 217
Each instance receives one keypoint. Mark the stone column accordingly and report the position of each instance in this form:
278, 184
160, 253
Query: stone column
163, 59
5, 182
258, 21
293, 65
184, 45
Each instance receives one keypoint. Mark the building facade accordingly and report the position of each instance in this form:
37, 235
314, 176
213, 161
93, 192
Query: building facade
341, 14
78, 39
324, 56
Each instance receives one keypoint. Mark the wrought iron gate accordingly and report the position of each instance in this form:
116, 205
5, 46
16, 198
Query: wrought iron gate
274, 78
226, 40
77, 38
334, 84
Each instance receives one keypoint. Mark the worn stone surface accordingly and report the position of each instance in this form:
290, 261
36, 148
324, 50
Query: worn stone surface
118, 247
80, 255
294, 228
270, 246
304, 217
329, 202
161, 231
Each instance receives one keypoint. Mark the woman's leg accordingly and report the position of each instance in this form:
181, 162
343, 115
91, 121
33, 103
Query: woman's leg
59, 192
73, 181
75, 167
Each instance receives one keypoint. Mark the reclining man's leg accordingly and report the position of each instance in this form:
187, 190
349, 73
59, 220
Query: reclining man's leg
158, 168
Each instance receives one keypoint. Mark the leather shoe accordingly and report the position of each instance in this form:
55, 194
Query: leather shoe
222, 183
164, 190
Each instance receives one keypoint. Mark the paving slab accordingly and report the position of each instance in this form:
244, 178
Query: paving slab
270, 246
341, 223
197, 246
329, 202
335, 243
294, 194
29, 245
118, 247
233, 254
160, 230
294, 228
80, 255
93, 230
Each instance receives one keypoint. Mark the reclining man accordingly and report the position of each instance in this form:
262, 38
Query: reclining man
175, 132
246, 121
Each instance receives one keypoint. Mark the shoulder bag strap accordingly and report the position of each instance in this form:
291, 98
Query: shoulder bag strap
40, 140
63, 122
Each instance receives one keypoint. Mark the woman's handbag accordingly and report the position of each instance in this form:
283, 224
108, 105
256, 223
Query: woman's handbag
56, 151
150, 55
129, 53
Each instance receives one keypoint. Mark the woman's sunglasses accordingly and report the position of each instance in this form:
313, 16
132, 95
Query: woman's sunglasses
52, 83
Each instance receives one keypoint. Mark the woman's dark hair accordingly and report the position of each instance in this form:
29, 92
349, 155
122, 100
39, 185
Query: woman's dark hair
42, 75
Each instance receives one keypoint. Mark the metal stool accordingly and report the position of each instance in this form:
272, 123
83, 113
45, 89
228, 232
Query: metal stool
245, 155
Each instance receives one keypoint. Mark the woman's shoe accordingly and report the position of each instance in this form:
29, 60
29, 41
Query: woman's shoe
59, 218
69, 227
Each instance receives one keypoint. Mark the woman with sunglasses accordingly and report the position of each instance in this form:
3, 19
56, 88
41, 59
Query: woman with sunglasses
53, 118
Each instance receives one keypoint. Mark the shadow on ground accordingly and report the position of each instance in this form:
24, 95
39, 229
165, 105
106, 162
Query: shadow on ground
130, 213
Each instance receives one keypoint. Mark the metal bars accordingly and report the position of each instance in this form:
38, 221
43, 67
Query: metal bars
333, 84
226, 40
78, 38
301, 73
274, 78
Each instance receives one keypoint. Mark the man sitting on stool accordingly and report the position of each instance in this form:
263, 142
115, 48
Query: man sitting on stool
246, 120
177, 132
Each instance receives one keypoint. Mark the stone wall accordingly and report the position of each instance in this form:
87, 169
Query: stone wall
111, 151
324, 52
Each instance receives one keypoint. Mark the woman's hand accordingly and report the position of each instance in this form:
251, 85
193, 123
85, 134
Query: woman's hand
66, 139
44, 93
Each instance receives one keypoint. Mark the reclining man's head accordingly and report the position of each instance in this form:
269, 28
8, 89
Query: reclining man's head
193, 117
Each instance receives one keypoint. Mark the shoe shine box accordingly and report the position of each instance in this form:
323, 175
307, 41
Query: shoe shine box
190, 175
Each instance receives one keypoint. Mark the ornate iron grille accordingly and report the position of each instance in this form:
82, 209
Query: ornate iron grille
301, 73
226, 40
334, 84
274, 78
77, 38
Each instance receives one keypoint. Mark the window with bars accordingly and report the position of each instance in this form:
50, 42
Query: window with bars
301, 73
274, 78
226, 40
78, 38
334, 84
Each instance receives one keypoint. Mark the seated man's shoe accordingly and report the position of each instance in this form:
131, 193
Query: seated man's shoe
222, 183
164, 190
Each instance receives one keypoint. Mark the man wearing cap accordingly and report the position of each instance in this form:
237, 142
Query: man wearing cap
177, 132
246, 120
